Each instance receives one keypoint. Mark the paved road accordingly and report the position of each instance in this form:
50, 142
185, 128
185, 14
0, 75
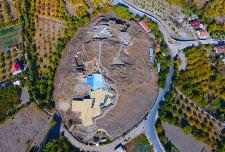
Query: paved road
109, 147
153, 114
183, 61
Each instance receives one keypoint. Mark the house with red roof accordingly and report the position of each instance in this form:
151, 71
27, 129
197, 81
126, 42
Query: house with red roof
144, 25
16, 68
203, 34
196, 24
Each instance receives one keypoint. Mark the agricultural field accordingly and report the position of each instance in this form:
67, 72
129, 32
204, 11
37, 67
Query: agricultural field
55, 22
204, 85
10, 49
49, 27
196, 103
4, 12
183, 112
9, 12
47, 34
10, 37
77, 7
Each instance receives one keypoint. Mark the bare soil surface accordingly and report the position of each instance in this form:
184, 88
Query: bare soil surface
28, 128
182, 141
122, 58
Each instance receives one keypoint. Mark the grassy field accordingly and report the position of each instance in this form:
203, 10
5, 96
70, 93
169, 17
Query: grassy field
9, 99
10, 36
139, 144
10, 29
60, 145
123, 13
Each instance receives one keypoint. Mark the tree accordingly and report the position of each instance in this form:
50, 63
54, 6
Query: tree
59, 145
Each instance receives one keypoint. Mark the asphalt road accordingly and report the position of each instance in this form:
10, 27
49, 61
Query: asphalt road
109, 147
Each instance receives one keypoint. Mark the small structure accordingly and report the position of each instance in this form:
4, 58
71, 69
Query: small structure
151, 55
193, 17
120, 148
144, 25
196, 24
79, 62
157, 49
90, 108
223, 61
95, 81
203, 34
158, 67
16, 83
16, 68
220, 49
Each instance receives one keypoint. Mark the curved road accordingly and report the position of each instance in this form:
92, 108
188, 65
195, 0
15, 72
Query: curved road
146, 126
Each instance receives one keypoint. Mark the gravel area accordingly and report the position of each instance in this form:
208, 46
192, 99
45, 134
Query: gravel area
185, 143
28, 128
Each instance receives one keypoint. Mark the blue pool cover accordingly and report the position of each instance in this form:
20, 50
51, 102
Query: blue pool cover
95, 81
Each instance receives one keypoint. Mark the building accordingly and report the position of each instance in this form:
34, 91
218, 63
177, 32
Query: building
95, 81
220, 49
144, 25
151, 55
196, 24
203, 34
16, 68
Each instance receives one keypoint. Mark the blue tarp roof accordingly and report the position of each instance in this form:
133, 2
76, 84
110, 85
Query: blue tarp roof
95, 81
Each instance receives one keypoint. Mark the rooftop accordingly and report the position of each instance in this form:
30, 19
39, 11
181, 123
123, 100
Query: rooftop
95, 81
220, 49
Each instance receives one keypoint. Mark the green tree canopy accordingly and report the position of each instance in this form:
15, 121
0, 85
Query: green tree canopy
59, 145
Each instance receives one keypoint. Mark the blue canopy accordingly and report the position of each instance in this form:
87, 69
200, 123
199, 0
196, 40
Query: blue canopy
95, 81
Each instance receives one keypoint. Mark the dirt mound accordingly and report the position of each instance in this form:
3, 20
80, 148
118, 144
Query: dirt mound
119, 51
